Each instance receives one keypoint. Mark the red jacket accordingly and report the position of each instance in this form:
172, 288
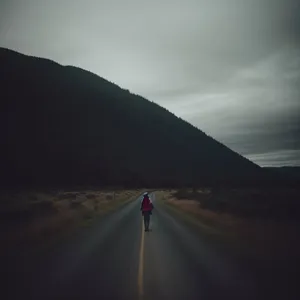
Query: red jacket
146, 204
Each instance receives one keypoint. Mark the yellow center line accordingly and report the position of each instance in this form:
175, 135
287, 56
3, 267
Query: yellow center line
141, 267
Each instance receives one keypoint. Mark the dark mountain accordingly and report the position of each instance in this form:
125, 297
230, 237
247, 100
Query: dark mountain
61, 125
291, 173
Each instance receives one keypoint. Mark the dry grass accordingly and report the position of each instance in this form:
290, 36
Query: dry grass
27, 218
267, 237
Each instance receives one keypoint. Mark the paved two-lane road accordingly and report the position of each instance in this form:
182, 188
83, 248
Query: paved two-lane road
116, 259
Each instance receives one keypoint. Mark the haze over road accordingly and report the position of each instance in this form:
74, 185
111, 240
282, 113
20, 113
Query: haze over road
115, 259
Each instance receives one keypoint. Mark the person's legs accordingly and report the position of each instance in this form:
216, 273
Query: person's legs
146, 220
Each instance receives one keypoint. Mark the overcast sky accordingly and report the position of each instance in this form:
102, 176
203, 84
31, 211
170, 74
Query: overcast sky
229, 67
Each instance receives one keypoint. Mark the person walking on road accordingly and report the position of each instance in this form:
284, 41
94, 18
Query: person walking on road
146, 208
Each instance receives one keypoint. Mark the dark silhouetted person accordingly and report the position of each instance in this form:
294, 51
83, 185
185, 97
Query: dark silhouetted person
146, 208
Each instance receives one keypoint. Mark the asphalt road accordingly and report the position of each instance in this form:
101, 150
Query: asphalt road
116, 259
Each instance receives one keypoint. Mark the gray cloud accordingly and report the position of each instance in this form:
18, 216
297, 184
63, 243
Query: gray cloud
277, 158
230, 67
